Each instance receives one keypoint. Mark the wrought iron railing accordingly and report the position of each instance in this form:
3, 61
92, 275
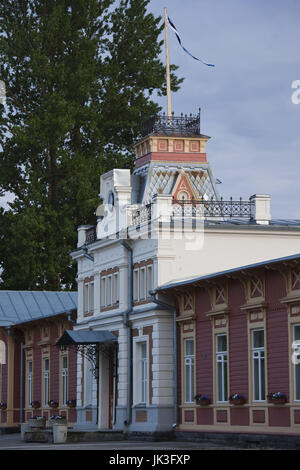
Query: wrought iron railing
187, 209
141, 214
172, 125
214, 208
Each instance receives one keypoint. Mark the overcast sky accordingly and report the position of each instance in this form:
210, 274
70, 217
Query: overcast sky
246, 99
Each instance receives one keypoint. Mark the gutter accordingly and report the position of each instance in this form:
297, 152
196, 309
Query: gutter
126, 323
175, 312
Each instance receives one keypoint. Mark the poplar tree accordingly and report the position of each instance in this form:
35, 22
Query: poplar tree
80, 76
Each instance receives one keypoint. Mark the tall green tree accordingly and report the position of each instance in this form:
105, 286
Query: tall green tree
79, 76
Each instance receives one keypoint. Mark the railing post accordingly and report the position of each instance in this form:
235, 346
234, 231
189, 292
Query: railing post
262, 208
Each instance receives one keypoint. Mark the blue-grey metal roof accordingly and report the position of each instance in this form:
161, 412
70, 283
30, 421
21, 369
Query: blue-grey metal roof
18, 307
71, 337
183, 282
249, 222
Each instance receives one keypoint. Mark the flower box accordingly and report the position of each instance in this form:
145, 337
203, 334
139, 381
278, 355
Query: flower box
37, 422
53, 403
71, 403
277, 398
57, 419
237, 399
202, 400
35, 404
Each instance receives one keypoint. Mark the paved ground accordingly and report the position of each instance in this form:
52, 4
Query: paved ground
13, 442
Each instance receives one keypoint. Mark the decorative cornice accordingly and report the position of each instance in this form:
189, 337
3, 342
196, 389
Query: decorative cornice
291, 298
254, 305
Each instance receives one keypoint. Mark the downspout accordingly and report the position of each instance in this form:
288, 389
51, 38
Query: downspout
175, 312
126, 323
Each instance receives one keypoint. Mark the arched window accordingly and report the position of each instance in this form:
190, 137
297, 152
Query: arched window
2, 352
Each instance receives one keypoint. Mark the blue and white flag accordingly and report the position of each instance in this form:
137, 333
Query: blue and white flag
185, 50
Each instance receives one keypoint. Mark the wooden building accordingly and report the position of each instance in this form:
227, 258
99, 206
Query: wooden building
239, 350
36, 378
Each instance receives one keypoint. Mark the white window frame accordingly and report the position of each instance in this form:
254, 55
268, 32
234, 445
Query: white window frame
46, 380
136, 285
88, 297
258, 354
29, 381
141, 372
296, 360
2, 352
142, 282
64, 376
109, 290
222, 362
189, 372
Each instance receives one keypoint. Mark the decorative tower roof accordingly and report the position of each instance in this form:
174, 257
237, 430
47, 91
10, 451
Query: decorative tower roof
171, 159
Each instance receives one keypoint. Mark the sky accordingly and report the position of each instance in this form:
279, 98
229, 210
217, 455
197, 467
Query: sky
246, 99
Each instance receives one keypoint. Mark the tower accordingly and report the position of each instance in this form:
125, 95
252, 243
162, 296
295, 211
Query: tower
171, 160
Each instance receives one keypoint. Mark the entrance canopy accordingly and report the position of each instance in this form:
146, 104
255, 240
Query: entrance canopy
76, 338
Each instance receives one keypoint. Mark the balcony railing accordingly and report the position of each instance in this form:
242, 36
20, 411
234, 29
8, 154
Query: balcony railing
185, 209
213, 208
172, 125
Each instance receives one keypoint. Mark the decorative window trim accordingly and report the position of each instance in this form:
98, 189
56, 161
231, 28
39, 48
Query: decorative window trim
192, 365
218, 292
63, 379
45, 379
29, 379
216, 354
256, 355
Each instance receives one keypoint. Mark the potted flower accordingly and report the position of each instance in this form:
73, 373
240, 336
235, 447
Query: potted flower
53, 403
57, 419
277, 398
202, 400
237, 399
3, 405
37, 421
35, 404
71, 403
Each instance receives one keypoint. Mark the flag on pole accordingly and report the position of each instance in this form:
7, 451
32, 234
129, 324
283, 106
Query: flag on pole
172, 26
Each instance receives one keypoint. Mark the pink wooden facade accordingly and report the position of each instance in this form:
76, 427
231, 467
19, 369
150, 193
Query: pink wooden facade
255, 311
35, 372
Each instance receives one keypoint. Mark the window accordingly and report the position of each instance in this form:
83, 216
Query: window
142, 283
109, 290
29, 382
88, 382
2, 352
143, 371
64, 373
140, 379
296, 360
258, 364
46, 380
88, 297
221, 367
189, 361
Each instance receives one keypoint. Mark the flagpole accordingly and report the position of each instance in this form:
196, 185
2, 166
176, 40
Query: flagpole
168, 67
